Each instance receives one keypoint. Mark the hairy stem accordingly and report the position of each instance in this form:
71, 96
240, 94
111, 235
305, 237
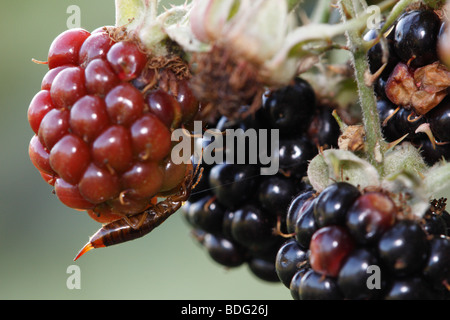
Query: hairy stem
374, 139
376, 146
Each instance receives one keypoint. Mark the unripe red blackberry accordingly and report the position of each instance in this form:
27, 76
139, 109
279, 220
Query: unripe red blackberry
103, 119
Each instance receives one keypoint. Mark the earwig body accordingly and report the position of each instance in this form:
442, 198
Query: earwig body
137, 226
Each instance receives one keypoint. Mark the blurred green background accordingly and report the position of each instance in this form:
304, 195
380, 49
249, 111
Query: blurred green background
39, 236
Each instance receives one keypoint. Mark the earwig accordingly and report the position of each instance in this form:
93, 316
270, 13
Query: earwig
139, 225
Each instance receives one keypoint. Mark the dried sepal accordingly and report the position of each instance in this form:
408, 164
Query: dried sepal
353, 138
400, 86
434, 77
421, 89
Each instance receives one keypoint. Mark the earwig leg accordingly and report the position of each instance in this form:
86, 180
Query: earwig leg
182, 196
199, 177
136, 226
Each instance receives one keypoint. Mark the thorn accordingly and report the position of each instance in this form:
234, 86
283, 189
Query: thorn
87, 247
396, 142
425, 128
370, 79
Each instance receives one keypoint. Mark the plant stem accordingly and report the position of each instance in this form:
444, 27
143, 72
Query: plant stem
376, 146
374, 139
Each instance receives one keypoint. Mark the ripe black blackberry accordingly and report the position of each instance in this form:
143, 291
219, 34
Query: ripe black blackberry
367, 248
412, 88
238, 214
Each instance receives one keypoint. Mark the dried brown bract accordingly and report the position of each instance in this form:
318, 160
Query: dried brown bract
352, 139
421, 89
400, 86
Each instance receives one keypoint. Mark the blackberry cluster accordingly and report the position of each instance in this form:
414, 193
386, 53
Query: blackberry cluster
352, 244
237, 214
102, 122
412, 88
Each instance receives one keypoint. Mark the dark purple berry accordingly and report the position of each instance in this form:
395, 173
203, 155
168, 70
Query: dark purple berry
296, 208
223, 251
275, 193
386, 109
264, 269
252, 228
295, 154
437, 268
290, 258
324, 130
370, 216
231, 183
207, 214
315, 286
291, 108
353, 278
414, 288
330, 246
305, 225
416, 37
404, 248
333, 203
434, 224
439, 120
375, 53
294, 286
